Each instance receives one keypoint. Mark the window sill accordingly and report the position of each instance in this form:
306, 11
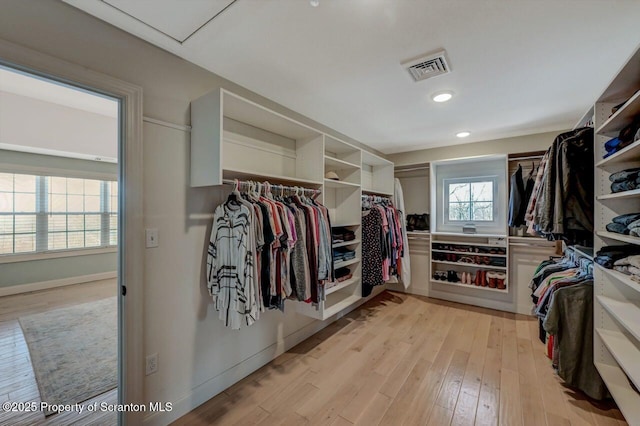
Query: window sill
28, 257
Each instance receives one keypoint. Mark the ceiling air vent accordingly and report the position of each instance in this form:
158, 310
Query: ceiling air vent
429, 66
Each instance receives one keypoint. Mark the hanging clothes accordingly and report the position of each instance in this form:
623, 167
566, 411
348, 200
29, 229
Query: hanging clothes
561, 204
265, 249
562, 291
383, 242
398, 201
519, 195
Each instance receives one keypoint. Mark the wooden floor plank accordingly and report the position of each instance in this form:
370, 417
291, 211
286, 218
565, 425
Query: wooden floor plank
410, 360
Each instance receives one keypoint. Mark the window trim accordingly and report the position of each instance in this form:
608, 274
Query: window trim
55, 254
478, 223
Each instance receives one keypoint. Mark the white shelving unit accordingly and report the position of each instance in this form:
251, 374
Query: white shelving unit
485, 296
235, 138
617, 296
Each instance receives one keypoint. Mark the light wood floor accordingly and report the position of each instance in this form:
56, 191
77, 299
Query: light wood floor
17, 379
410, 360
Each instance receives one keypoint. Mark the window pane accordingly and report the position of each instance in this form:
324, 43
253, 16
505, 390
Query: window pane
92, 222
113, 221
6, 224
25, 203
58, 185
92, 203
25, 183
92, 238
459, 211
482, 191
75, 239
113, 207
57, 223
113, 238
75, 203
57, 203
6, 244
6, 202
6, 182
482, 211
92, 187
459, 192
57, 241
75, 186
25, 243
25, 223
75, 222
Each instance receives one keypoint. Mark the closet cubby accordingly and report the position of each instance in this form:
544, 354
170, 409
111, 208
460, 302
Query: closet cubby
232, 137
377, 175
616, 295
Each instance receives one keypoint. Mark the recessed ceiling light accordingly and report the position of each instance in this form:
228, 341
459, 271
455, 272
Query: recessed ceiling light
442, 96
463, 134
314, 3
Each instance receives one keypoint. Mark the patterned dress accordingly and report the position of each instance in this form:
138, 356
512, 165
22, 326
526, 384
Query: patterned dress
371, 250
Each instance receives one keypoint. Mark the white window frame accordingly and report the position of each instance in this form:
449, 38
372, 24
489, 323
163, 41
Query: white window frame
449, 181
42, 215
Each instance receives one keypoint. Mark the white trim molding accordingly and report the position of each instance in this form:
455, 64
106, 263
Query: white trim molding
45, 285
30, 257
131, 233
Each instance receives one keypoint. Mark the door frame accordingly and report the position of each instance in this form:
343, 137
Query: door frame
130, 214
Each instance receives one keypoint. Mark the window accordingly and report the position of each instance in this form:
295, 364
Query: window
46, 213
470, 200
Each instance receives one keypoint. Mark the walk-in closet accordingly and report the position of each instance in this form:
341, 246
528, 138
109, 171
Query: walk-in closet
325, 212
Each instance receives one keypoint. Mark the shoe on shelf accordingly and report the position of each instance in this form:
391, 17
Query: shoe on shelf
501, 281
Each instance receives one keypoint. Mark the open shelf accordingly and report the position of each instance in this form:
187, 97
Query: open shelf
623, 278
471, 265
626, 313
343, 284
464, 243
337, 301
620, 195
625, 353
345, 224
337, 265
272, 178
418, 233
339, 184
627, 399
618, 237
625, 155
467, 253
339, 164
474, 287
622, 117
345, 243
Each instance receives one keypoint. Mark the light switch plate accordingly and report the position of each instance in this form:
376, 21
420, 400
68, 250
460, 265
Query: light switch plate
151, 235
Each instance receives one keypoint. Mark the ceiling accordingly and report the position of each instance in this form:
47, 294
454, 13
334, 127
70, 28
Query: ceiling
518, 66
32, 87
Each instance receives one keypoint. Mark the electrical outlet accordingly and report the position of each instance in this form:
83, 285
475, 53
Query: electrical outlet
152, 364
151, 235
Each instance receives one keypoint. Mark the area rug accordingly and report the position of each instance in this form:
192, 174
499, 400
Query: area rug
74, 351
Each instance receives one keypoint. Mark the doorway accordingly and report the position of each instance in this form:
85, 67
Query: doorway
61, 305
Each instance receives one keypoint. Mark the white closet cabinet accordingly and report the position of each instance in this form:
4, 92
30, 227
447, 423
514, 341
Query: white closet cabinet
617, 297
235, 138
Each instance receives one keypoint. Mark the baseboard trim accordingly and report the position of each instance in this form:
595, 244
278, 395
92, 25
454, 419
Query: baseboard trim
44, 285
212, 387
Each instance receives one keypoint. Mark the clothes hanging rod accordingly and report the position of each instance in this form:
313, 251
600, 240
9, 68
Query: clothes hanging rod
412, 169
273, 185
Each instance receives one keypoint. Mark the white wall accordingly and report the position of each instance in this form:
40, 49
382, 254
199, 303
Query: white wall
528, 143
196, 354
35, 123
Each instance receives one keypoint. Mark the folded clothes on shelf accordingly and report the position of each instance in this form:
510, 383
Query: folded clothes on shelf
625, 180
626, 137
607, 256
342, 254
625, 224
341, 234
629, 265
